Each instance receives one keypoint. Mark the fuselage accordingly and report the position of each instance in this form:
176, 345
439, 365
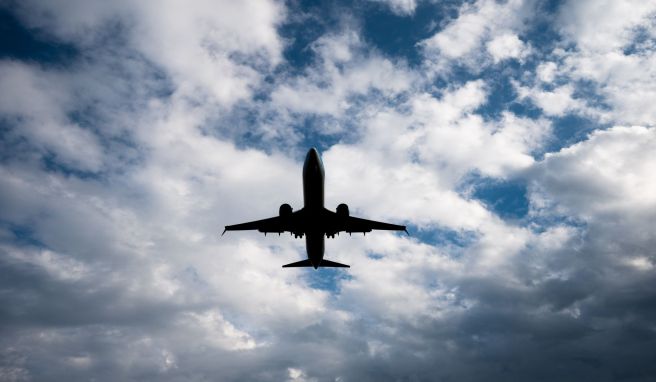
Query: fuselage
313, 182
314, 220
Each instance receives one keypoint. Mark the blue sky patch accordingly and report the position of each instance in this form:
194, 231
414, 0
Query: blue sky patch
21, 43
444, 237
325, 278
506, 198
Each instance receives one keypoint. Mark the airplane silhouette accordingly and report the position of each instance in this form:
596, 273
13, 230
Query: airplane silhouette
314, 220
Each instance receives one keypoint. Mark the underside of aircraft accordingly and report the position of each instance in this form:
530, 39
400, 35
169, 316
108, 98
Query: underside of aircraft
314, 221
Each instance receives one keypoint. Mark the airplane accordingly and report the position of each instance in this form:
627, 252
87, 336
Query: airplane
314, 220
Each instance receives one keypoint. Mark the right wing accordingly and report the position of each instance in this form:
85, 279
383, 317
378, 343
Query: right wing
335, 223
353, 224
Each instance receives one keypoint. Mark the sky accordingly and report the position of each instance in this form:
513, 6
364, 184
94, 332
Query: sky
514, 138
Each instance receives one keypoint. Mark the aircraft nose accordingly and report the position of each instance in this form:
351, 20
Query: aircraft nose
312, 155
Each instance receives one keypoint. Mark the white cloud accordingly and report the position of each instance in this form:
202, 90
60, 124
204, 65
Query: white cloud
340, 48
600, 32
219, 332
506, 46
488, 22
464, 34
203, 48
547, 71
556, 102
607, 175
56, 265
196, 44
460, 140
396, 188
624, 81
344, 68
400, 7
642, 263
603, 25
38, 102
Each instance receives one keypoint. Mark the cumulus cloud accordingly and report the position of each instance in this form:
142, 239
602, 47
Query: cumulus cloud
492, 23
200, 46
605, 175
35, 101
345, 69
506, 46
547, 71
401, 7
461, 139
556, 102
603, 26
120, 167
208, 50
609, 53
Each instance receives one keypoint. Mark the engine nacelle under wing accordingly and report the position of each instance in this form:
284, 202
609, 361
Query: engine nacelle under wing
285, 210
342, 213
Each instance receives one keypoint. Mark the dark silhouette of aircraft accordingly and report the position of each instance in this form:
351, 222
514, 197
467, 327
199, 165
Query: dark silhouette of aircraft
314, 220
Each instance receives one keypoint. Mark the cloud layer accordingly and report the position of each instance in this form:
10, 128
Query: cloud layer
123, 158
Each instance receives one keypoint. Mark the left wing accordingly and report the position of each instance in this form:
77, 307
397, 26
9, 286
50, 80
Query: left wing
276, 224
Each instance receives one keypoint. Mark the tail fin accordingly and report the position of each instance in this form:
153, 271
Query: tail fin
324, 264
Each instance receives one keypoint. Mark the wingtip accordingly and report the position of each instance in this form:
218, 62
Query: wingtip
406, 231
224, 231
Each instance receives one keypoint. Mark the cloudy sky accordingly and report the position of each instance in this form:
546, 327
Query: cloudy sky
515, 138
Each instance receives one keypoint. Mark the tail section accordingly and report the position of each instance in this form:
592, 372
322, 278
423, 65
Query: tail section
332, 264
323, 264
302, 263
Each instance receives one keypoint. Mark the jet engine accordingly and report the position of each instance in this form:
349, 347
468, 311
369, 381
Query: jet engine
342, 210
285, 210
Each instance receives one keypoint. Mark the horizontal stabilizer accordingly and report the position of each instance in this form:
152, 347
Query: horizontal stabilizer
302, 263
332, 264
323, 264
